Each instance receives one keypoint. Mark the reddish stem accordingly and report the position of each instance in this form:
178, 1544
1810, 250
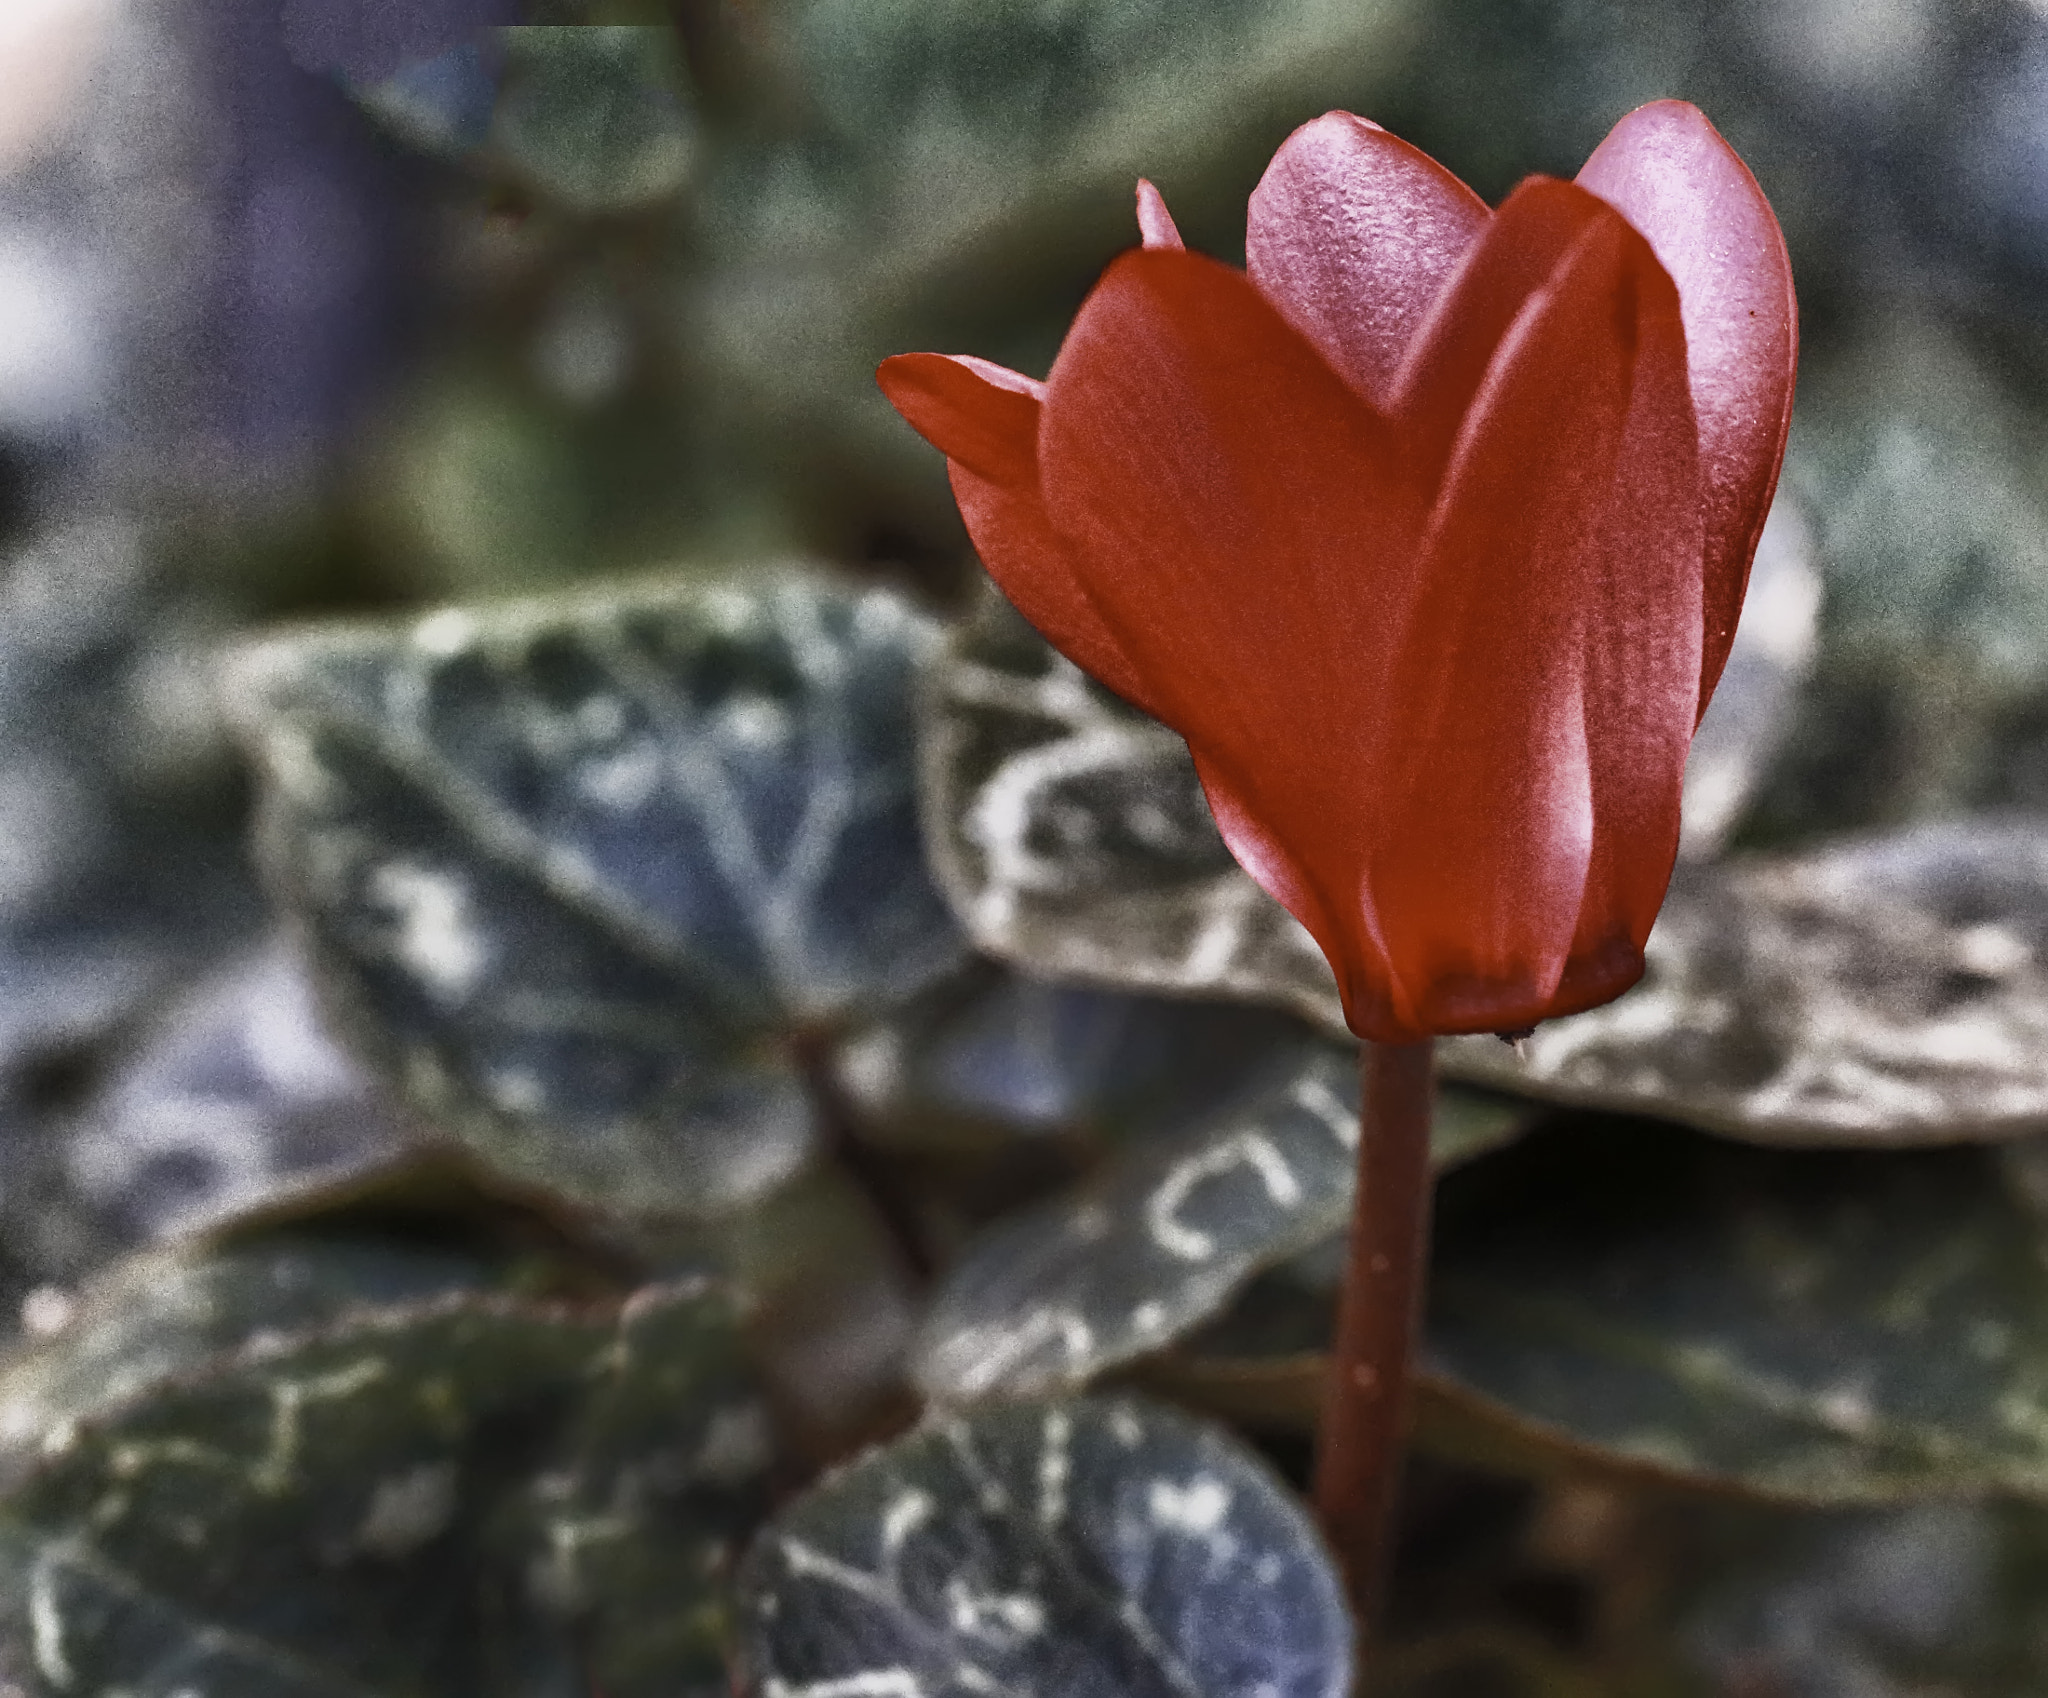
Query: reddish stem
1365, 1398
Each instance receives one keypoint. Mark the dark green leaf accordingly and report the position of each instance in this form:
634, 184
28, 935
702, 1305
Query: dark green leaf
1090, 1548
1826, 1328
1935, 1598
166, 1312
460, 1495
1173, 1227
633, 1521
576, 872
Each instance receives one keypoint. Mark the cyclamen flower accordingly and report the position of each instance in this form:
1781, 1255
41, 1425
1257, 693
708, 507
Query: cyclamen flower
1429, 535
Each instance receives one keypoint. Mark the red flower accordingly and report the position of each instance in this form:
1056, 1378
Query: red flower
1429, 536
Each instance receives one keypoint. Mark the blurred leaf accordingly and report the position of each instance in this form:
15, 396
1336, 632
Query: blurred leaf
1931, 511
830, 1308
164, 1313
122, 870
458, 1495
1093, 1548
593, 115
1171, 1229
1000, 1055
576, 872
1913, 451
120, 867
237, 1095
1887, 990
1823, 1328
1935, 1598
482, 488
1876, 992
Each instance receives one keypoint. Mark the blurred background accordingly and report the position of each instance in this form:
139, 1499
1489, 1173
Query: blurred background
319, 306
311, 306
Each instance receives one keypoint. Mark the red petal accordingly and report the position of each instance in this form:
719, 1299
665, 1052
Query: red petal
1672, 176
1155, 223
976, 412
1514, 824
1521, 251
1235, 501
1351, 234
1643, 657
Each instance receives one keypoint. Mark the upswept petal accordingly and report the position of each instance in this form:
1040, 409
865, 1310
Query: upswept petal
974, 411
1351, 233
985, 418
1672, 176
1494, 749
1239, 500
1531, 237
1155, 224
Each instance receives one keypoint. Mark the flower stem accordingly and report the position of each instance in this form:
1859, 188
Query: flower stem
1365, 1399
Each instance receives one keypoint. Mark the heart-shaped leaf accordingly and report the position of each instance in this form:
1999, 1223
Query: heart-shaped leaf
1172, 1227
575, 872
463, 1494
1093, 1548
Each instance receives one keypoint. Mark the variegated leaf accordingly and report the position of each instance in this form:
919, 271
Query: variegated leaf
1092, 1548
576, 872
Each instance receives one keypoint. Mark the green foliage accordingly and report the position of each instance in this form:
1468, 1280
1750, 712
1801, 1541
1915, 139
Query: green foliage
320, 1467
1102, 1549
1757, 1319
1169, 1229
571, 870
